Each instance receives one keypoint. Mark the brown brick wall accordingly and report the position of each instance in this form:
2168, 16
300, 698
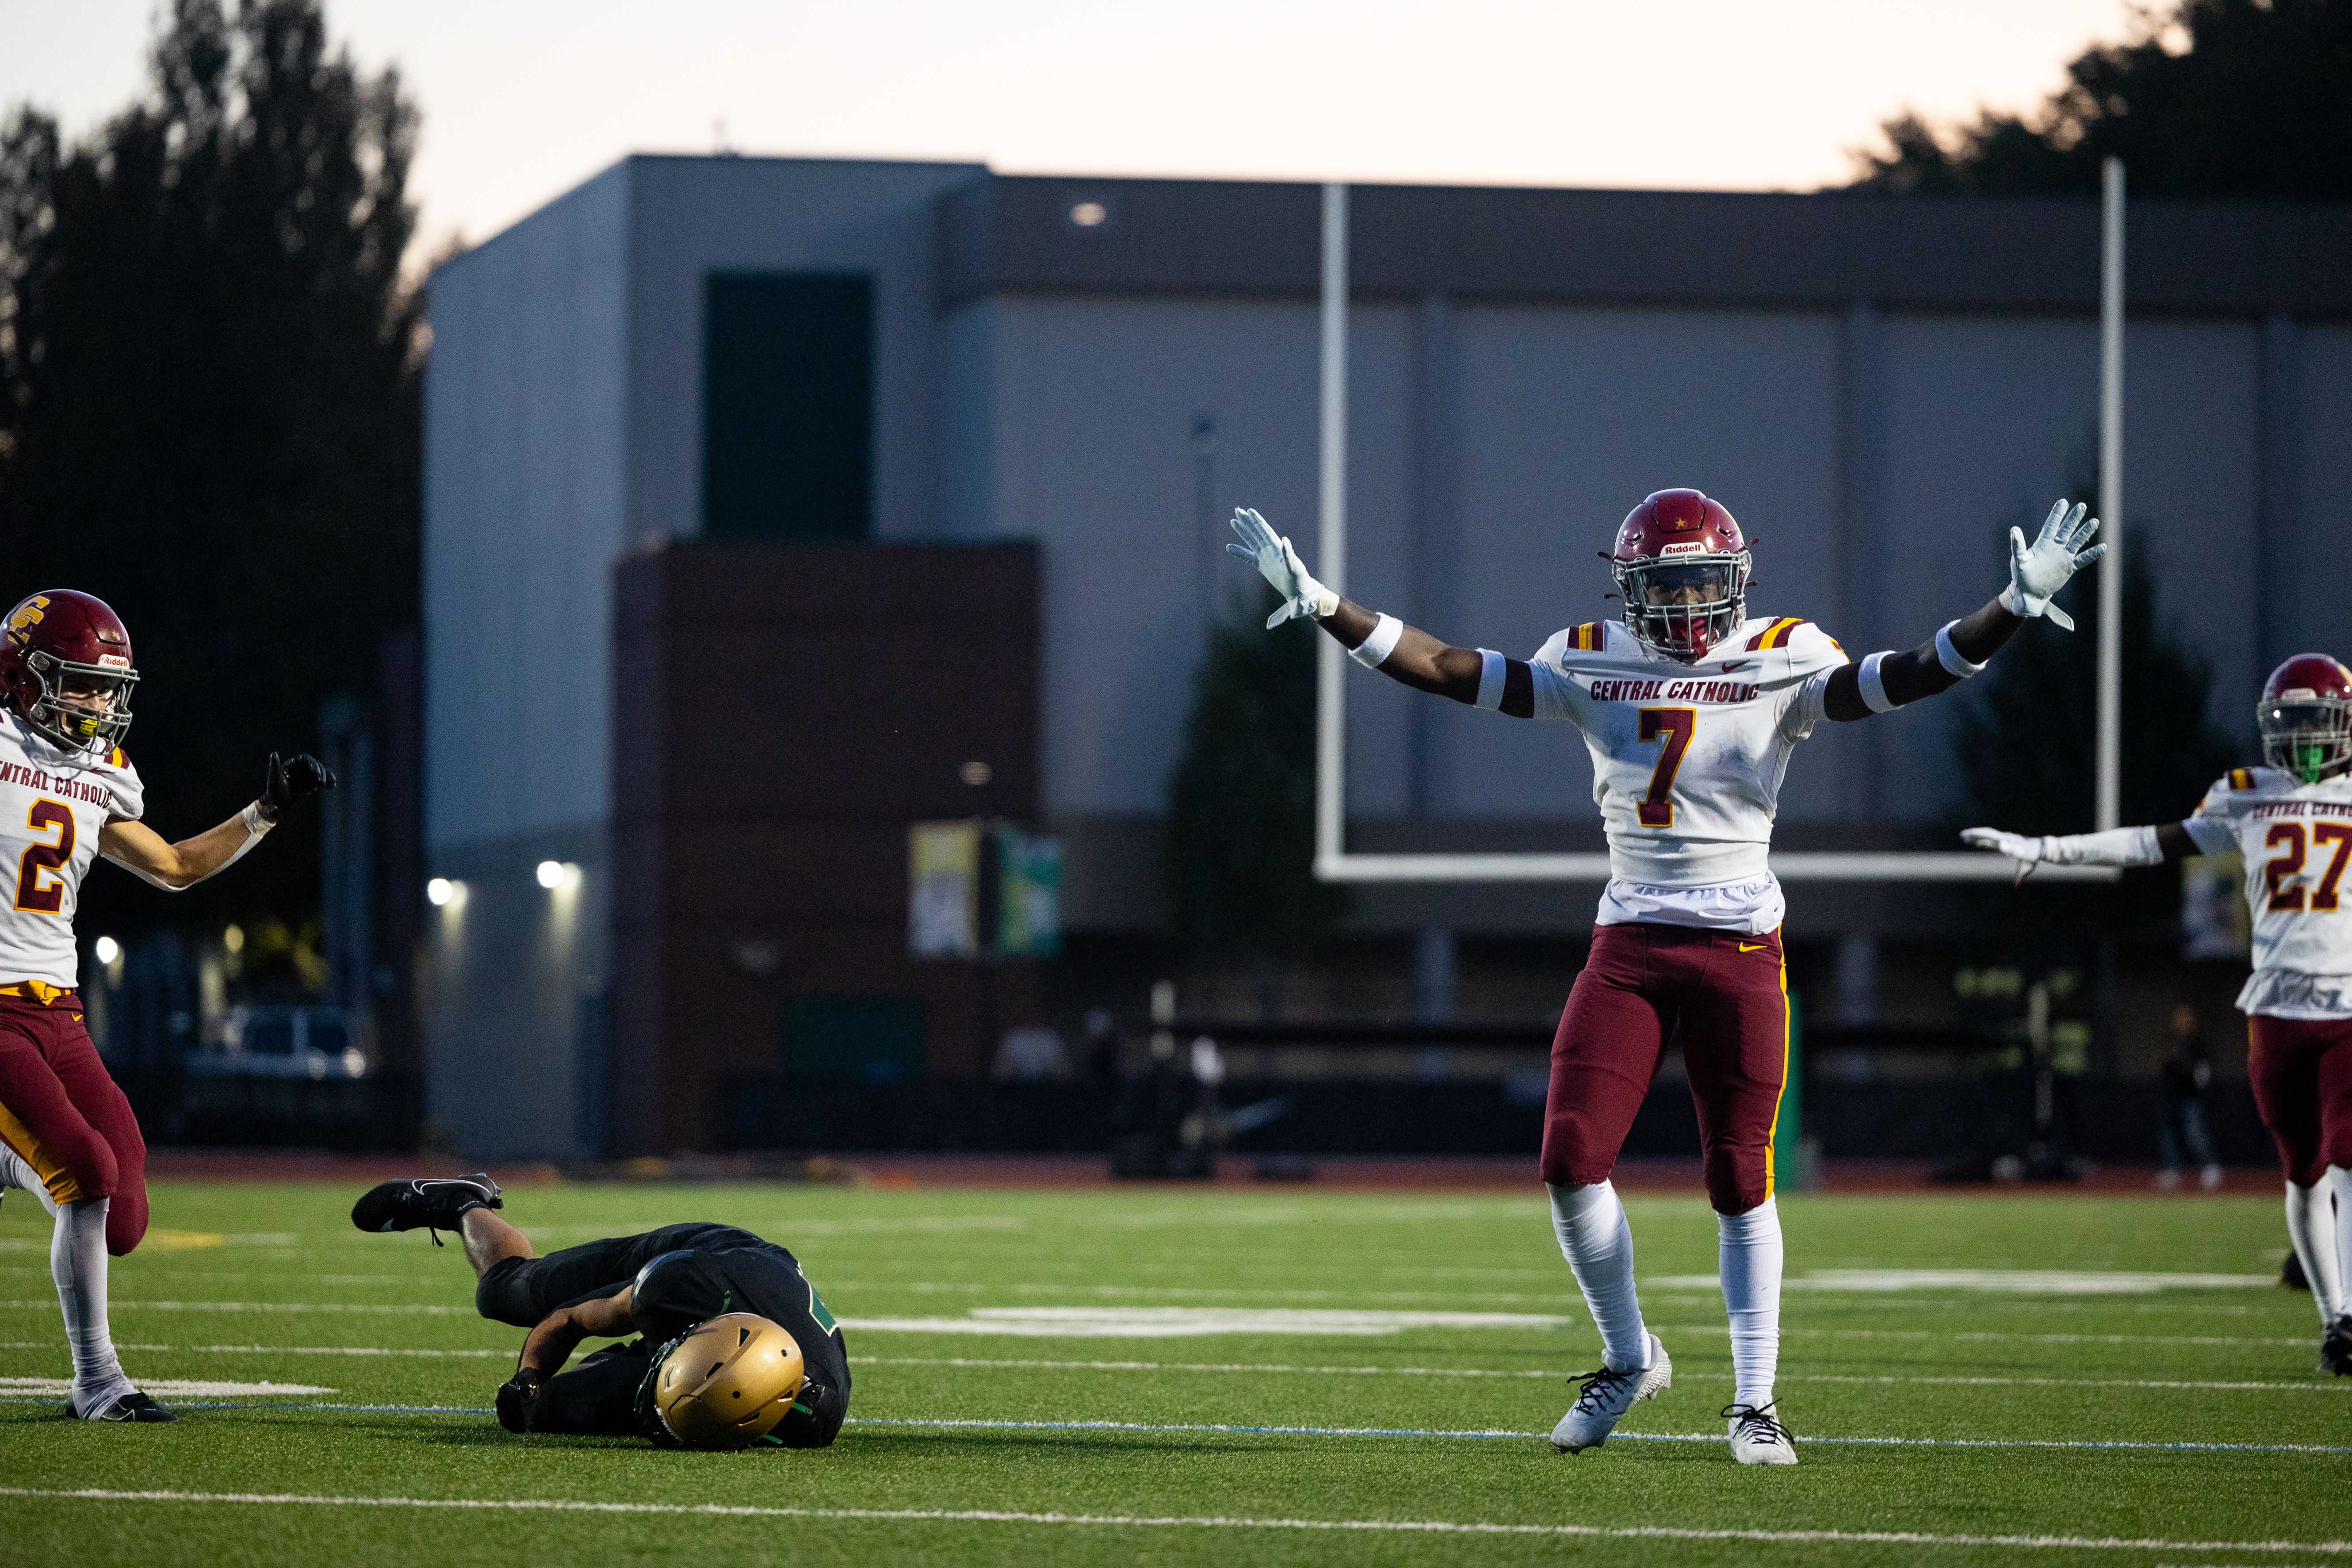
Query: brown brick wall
780, 713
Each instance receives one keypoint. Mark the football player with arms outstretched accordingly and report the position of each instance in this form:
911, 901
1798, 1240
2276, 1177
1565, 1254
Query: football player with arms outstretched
68, 796
734, 1349
2292, 820
1690, 709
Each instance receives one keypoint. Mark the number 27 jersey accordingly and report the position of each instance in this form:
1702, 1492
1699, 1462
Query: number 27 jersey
53, 804
2296, 839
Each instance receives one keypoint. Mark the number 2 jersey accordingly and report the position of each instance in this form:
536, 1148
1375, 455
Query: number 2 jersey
2296, 839
1687, 760
53, 804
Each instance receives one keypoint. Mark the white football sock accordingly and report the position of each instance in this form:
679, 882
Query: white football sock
77, 1263
1598, 1247
1749, 1248
2339, 1183
2312, 1227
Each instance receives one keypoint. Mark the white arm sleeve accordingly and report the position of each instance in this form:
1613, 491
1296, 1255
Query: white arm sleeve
2117, 846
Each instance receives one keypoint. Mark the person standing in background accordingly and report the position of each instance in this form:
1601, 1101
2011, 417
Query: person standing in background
2187, 1073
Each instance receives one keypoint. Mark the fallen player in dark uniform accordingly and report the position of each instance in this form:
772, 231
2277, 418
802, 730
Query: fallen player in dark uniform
733, 1345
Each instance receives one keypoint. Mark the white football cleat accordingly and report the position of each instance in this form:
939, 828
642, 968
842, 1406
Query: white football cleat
1605, 1396
1758, 1438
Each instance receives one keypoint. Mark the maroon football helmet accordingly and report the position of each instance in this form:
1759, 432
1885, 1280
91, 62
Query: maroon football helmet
1683, 568
65, 668
2306, 717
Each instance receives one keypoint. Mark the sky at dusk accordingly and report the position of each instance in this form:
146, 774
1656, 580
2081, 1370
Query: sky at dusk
524, 99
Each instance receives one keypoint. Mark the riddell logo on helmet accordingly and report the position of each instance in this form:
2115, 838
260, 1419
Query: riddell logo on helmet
1689, 547
114, 661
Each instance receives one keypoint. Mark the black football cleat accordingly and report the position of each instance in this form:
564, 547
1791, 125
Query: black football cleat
2335, 1347
432, 1203
133, 1406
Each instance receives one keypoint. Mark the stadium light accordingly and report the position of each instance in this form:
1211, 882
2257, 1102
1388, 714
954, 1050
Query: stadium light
107, 949
551, 874
441, 892
1333, 863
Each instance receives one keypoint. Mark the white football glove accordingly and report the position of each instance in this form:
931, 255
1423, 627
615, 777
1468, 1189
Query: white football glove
1278, 563
2039, 570
2026, 850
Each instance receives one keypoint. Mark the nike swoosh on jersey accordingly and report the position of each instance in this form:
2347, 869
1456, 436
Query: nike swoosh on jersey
1754, 946
1739, 665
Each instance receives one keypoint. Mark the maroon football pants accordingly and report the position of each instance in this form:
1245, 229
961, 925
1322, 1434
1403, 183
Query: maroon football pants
65, 1117
1723, 997
2301, 1070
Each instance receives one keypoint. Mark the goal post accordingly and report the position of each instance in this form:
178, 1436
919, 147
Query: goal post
1335, 863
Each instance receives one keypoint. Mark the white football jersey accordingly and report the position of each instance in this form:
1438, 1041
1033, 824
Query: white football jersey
1687, 760
53, 804
2296, 839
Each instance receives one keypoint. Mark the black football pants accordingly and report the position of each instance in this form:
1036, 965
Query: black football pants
525, 1290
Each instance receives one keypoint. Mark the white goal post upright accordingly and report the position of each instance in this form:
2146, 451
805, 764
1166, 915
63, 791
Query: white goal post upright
2108, 809
1331, 672
1334, 863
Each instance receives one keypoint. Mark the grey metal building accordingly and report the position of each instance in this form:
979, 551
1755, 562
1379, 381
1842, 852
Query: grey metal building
1877, 387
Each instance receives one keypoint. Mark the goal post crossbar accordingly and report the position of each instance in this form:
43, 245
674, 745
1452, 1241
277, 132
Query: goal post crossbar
1926, 866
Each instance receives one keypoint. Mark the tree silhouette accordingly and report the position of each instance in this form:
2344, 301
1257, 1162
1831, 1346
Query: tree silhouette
2215, 98
1237, 847
208, 406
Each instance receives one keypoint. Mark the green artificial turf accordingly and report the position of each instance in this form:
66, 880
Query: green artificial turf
276, 1274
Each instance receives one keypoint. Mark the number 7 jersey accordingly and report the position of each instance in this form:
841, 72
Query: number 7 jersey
1687, 759
53, 805
2297, 843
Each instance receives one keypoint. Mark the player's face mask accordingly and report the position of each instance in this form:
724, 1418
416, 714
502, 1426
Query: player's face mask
1683, 608
80, 705
2310, 739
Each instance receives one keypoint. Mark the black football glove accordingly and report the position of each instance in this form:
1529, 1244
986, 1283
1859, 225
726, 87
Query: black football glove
289, 781
518, 1397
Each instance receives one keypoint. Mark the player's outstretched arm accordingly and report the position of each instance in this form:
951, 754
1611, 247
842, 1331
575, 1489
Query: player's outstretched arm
1885, 682
2148, 846
1384, 643
145, 854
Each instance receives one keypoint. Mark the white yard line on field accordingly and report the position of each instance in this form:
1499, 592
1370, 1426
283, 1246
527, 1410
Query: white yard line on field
1974, 1334
373, 1307
1168, 1323
1140, 1521
342, 1349
2003, 1281
2314, 1386
169, 1388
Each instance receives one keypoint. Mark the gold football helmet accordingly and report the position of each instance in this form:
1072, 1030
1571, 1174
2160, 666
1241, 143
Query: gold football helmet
726, 1384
